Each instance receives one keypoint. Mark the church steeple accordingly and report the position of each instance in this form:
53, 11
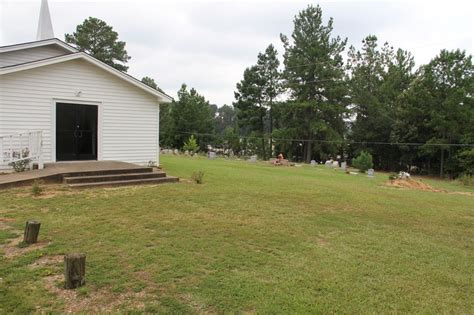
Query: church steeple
45, 28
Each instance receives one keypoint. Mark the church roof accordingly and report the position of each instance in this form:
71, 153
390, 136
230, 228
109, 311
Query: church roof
38, 43
73, 54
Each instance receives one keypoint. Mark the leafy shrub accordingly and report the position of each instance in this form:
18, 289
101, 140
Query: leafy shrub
198, 177
36, 188
22, 165
363, 162
466, 179
191, 145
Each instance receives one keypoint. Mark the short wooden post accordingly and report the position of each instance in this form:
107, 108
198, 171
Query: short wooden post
31, 232
74, 270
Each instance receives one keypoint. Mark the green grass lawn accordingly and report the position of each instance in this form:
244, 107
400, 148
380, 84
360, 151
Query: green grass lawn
252, 239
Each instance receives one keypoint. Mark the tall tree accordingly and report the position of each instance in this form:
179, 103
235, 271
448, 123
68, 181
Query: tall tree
251, 110
268, 64
377, 78
440, 106
314, 76
255, 95
98, 39
192, 113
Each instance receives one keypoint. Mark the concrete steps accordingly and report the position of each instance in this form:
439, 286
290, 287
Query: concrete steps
116, 177
111, 177
112, 171
141, 181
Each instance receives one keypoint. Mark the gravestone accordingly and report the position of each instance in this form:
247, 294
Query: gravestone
313, 163
335, 164
212, 155
404, 175
344, 166
370, 172
253, 159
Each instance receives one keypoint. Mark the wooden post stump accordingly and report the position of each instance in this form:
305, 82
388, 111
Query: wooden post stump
74, 270
31, 232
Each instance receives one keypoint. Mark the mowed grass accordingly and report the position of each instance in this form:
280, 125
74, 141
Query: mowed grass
253, 238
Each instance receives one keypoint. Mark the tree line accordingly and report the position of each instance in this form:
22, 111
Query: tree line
327, 100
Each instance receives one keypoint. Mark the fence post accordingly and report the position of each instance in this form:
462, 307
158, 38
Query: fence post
74, 270
40, 150
30, 235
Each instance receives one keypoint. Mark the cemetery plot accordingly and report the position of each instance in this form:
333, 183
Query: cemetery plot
251, 238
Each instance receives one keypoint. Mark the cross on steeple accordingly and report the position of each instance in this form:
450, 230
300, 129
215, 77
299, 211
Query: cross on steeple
45, 28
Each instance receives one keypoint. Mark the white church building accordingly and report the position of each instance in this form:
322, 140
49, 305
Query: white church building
60, 104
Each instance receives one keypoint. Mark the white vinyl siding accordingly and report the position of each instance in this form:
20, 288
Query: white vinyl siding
128, 116
31, 54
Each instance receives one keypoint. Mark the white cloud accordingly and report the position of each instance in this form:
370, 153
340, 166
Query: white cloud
208, 44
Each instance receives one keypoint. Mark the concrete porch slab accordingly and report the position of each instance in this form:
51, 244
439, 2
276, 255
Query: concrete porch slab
53, 172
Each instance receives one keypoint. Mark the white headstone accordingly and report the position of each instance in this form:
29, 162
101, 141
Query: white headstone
335, 164
313, 163
253, 159
45, 27
343, 166
212, 155
370, 172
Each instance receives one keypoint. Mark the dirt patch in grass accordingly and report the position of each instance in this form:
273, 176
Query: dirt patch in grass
12, 248
47, 261
3, 223
321, 242
88, 299
48, 191
463, 193
419, 185
411, 184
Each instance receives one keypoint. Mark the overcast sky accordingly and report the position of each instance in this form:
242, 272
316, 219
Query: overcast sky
208, 44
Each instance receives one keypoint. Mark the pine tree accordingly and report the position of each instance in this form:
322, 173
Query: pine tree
99, 40
268, 64
314, 76
191, 113
377, 78
438, 109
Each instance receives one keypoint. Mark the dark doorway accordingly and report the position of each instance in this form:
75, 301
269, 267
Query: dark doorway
76, 132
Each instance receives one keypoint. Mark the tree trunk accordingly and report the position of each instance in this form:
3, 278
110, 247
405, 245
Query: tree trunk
262, 122
441, 166
74, 270
271, 130
308, 152
31, 232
